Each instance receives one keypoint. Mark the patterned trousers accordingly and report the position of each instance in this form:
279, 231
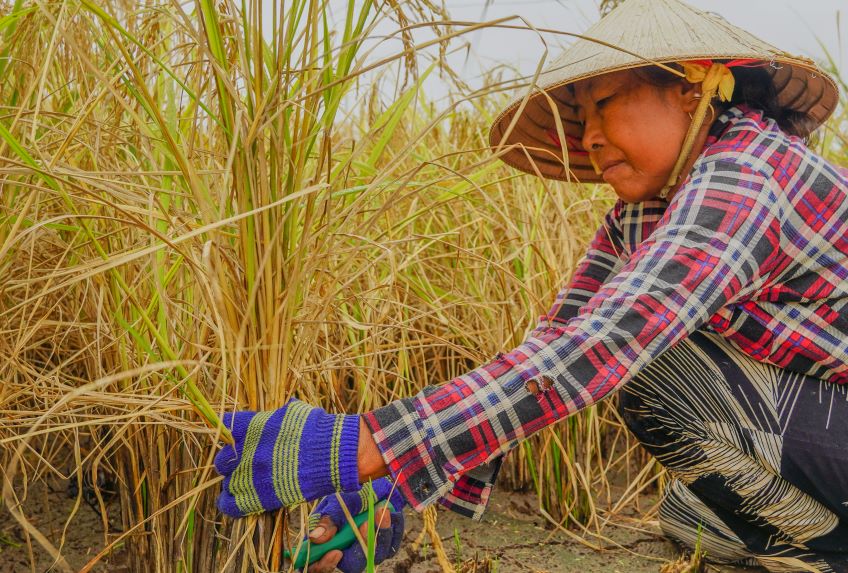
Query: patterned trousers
758, 456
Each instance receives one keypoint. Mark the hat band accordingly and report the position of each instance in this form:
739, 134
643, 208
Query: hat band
715, 79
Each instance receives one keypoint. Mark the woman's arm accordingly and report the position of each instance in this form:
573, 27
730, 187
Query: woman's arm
715, 243
601, 262
370, 462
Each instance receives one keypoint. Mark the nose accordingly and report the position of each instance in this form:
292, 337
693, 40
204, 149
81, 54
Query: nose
593, 137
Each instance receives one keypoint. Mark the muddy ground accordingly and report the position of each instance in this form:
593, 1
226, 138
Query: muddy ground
513, 537
47, 508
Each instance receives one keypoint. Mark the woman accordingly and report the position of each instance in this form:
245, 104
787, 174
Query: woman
714, 297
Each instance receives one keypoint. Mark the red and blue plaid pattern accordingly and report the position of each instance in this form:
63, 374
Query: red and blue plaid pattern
754, 246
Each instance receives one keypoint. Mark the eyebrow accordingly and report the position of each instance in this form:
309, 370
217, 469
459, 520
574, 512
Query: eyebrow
590, 87
578, 107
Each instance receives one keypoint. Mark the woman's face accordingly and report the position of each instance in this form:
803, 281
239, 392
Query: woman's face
633, 130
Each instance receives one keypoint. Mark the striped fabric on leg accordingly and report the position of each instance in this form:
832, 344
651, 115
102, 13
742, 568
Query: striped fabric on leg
681, 514
766, 450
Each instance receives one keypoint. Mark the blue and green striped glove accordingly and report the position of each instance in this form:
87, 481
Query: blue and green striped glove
284, 457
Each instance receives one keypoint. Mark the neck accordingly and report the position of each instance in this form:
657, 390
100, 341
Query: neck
698, 146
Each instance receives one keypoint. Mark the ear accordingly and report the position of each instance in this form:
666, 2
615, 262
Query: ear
690, 96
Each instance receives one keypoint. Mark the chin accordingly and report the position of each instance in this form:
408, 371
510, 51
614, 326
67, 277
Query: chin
634, 193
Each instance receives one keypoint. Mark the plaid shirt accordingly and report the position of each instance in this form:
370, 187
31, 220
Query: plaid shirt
753, 246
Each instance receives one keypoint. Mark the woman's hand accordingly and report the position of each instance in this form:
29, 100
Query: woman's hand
329, 517
283, 457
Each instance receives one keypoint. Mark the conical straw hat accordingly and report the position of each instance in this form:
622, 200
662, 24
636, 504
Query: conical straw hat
640, 33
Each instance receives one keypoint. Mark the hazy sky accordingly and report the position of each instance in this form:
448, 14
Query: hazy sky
806, 27
791, 25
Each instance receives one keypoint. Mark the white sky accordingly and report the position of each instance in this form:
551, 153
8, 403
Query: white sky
807, 27
798, 27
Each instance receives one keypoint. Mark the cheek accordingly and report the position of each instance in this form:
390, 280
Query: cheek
653, 146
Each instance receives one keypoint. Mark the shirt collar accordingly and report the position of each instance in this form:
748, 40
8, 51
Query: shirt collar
730, 117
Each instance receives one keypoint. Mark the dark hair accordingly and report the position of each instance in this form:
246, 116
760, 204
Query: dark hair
754, 88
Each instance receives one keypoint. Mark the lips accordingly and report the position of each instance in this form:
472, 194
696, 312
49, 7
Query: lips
608, 167
603, 166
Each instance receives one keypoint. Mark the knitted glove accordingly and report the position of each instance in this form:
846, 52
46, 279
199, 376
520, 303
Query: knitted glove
285, 457
388, 538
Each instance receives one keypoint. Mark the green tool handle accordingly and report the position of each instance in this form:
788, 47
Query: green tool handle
343, 539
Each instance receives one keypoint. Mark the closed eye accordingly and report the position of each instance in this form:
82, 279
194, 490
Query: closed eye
599, 104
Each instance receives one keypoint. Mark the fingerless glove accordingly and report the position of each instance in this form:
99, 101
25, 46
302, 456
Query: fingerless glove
284, 457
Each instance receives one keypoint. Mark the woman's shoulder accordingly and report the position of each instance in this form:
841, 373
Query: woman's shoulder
743, 138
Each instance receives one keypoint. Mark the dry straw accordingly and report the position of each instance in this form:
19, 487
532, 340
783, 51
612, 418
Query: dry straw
193, 213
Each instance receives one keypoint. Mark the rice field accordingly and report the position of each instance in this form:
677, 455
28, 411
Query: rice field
217, 205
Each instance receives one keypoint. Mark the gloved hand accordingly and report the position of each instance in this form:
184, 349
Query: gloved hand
329, 517
286, 456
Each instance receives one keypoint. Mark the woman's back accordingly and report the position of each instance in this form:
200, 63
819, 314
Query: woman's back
795, 312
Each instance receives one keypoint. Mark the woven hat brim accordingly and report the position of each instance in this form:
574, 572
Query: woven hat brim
636, 34
533, 147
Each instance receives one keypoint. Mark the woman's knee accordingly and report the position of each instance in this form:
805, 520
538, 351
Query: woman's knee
636, 409
660, 404
648, 418
645, 403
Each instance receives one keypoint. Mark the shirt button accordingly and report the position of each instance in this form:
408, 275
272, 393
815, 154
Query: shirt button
535, 386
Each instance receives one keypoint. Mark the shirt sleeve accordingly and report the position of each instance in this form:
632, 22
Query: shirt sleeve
714, 244
469, 496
